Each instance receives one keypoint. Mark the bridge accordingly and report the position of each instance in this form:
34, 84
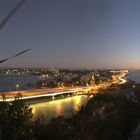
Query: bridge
49, 95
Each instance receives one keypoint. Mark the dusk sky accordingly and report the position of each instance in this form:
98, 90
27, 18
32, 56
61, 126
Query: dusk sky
72, 33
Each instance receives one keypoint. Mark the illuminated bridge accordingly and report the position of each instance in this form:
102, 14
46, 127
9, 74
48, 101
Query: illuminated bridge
49, 95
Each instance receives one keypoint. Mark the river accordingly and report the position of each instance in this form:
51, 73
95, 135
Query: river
61, 107
134, 76
8, 82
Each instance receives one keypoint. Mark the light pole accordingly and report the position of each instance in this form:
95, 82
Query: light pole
17, 87
19, 95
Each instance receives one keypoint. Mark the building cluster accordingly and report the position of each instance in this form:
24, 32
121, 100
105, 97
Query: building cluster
70, 78
15, 71
51, 77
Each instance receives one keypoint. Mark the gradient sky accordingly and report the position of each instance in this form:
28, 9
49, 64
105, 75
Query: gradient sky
72, 33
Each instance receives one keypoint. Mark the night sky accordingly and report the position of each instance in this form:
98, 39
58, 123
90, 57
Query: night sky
72, 33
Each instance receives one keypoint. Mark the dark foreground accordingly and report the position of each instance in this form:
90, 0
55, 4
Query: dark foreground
113, 114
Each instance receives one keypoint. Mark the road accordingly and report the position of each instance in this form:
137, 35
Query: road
45, 92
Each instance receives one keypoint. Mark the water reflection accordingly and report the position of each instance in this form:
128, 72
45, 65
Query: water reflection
60, 107
77, 104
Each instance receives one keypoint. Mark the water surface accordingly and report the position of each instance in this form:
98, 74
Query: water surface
61, 107
9, 82
134, 76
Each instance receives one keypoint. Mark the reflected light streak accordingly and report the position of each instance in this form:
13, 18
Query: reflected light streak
59, 108
77, 104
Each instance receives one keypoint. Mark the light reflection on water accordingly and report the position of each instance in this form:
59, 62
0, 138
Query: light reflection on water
60, 107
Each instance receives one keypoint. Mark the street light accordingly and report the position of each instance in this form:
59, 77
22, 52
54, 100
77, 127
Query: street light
19, 95
17, 87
